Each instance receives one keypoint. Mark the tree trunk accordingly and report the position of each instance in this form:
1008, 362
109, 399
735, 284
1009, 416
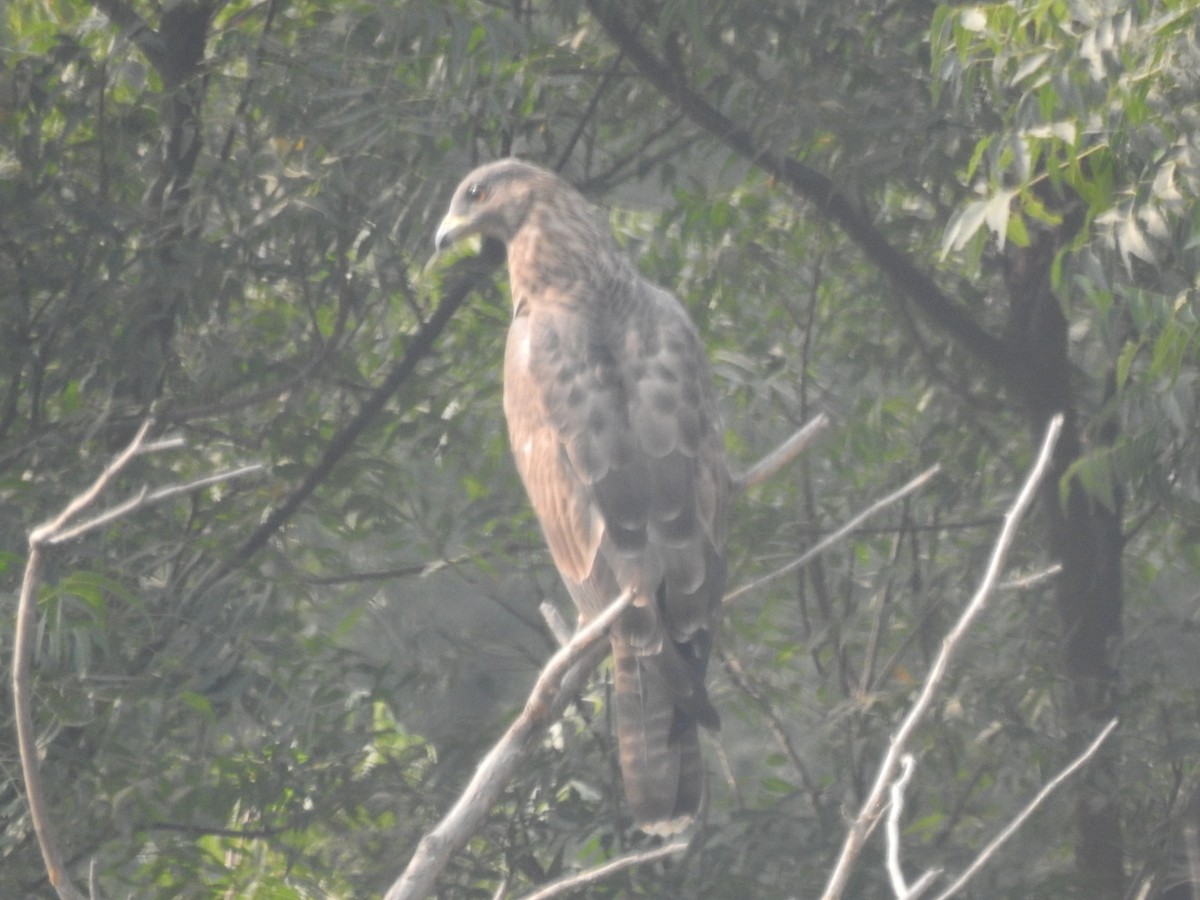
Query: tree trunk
1084, 535
145, 349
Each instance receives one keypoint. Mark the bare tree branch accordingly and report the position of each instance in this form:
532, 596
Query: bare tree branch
873, 806
599, 873
48, 534
39, 534
1021, 582
557, 684
146, 498
895, 811
770, 464
1011, 829
833, 537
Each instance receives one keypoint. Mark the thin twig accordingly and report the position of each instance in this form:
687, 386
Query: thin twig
1023, 582
737, 673
107, 516
921, 885
555, 686
833, 537
781, 455
146, 498
605, 82
871, 808
599, 873
900, 888
38, 535
1025, 813
169, 443
895, 811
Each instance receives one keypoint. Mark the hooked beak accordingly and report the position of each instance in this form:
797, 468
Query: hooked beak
452, 228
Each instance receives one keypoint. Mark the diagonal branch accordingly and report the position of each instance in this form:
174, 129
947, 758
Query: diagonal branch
599, 873
806, 182
1011, 828
470, 273
770, 464
81, 501
146, 497
556, 686
833, 537
872, 807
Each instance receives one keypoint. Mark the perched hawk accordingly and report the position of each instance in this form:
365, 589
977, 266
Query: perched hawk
616, 435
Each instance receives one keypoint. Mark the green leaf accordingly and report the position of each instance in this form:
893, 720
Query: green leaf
200, 703
1125, 362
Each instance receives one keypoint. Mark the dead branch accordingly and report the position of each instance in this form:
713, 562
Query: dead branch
1018, 820
895, 811
48, 534
599, 873
868, 816
147, 498
833, 537
1023, 582
556, 686
770, 464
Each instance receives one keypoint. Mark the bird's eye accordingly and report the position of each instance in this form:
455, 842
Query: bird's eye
476, 192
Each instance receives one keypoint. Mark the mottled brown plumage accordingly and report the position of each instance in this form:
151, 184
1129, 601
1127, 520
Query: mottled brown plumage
615, 431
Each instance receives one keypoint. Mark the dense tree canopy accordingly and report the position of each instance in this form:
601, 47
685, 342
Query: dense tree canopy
940, 224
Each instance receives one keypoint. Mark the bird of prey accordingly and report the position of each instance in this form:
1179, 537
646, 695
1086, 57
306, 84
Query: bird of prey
614, 427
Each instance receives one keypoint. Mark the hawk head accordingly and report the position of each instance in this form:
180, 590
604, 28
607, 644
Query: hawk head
493, 201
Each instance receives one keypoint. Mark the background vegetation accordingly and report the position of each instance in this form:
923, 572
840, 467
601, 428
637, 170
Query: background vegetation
940, 223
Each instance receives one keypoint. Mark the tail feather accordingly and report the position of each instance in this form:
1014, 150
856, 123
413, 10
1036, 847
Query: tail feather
659, 741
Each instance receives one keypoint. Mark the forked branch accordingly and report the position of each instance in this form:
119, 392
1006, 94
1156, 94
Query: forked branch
56, 531
872, 808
